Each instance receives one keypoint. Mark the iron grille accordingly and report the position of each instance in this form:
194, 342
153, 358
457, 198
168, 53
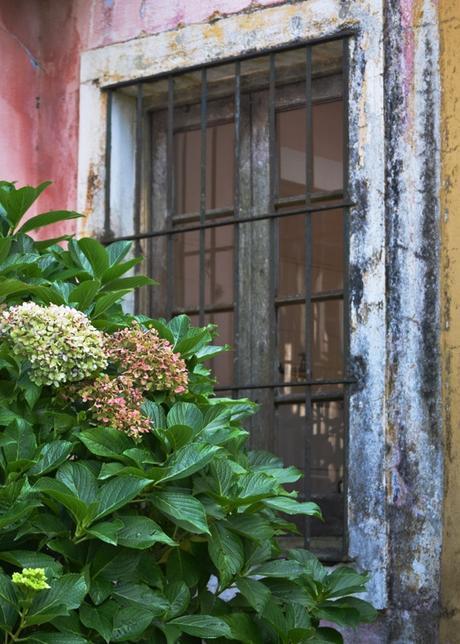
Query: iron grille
305, 389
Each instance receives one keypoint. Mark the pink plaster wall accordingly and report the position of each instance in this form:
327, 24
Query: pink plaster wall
40, 45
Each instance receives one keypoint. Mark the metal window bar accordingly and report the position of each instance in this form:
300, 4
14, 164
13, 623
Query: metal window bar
170, 201
108, 165
236, 215
308, 204
307, 487
203, 195
346, 286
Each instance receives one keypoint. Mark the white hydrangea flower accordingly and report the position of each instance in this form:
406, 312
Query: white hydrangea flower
59, 342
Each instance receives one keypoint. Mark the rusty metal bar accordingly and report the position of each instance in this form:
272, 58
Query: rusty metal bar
242, 220
170, 198
108, 166
307, 488
203, 159
237, 215
346, 283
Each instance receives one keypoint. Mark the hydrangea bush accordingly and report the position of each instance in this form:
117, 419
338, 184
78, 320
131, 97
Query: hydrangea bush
131, 509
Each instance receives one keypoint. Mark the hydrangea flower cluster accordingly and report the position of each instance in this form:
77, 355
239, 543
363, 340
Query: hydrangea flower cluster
30, 579
143, 362
115, 402
59, 342
147, 359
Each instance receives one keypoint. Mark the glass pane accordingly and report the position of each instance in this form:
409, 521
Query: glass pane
290, 438
219, 266
327, 339
327, 466
328, 146
326, 470
186, 270
291, 131
291, 235
222, 366
291, 342
219, 168
327, 448
327, 260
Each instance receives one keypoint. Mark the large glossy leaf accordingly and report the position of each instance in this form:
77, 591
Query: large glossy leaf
55, 638
17, 202
80, 480
106, 531
155, 412
204, 626
186, 461
178, 595
97, 619
105, 302
106, 442
226, 552
116, 271
96, 255
128, 283
255, 592
51, 456
183, 413
141, 532
130, 622
286, 568
251, 525
61, 493
8, 603
84, 293
292, 506
47, 218
30, 559
66, 593
118, 251
117, 493
182, 508
345, 581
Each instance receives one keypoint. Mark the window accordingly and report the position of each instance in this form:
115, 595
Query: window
241, 213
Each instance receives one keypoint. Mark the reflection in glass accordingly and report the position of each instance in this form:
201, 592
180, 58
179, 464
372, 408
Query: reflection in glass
327, 148
291, 343
327, 249
327, 339
326, 460
291, 276
219, 168
218, 278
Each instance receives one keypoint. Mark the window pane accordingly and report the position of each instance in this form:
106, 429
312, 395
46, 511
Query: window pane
222, 366
219, 168
291, 131
326, 469
218, 276
327, 339
291, 342
186, 270
291, 235
219, 266
328, 146
327, 260
327, 466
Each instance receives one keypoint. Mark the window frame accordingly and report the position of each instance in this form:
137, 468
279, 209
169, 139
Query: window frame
267, 28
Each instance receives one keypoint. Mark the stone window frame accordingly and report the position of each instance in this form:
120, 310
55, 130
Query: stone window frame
374, 481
